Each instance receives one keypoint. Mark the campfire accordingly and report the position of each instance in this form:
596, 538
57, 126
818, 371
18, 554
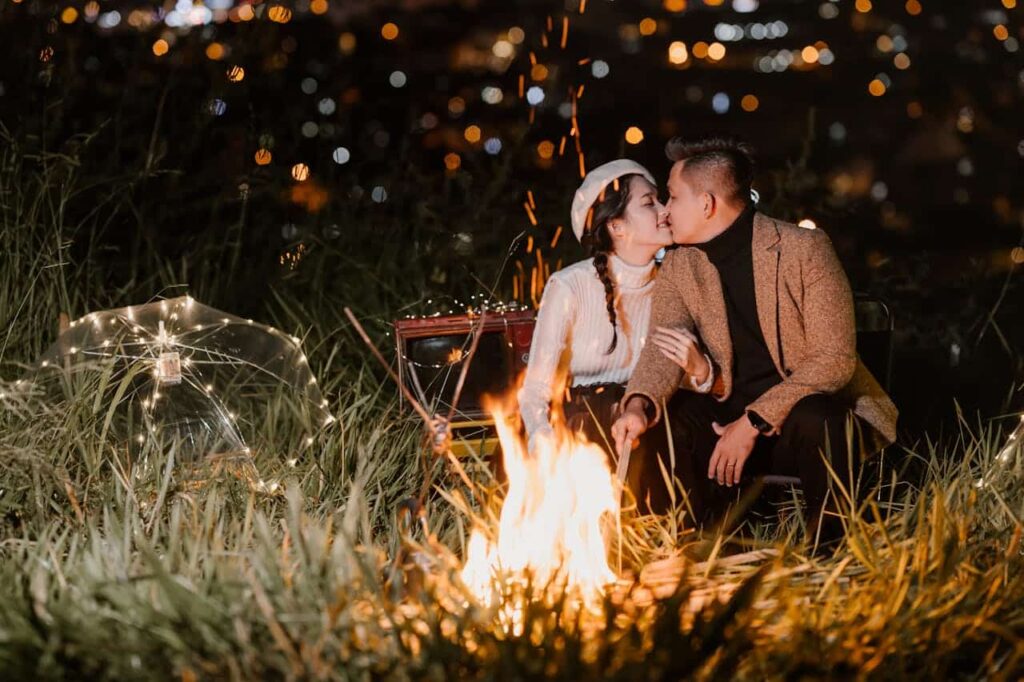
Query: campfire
552, 536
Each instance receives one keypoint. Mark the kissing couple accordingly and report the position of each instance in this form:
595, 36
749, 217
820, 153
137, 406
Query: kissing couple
742, 340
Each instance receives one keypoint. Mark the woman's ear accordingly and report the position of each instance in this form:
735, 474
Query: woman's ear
616, 227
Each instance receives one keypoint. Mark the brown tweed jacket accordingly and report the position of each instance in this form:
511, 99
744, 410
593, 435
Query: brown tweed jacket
805, 307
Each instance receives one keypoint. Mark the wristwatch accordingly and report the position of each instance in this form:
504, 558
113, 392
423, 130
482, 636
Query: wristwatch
758, 422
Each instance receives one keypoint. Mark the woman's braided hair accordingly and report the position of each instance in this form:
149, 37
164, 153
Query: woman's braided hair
597, 239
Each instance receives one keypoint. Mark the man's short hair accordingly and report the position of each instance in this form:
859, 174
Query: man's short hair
719, 164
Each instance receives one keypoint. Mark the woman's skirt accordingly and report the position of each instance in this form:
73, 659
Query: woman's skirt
591, 411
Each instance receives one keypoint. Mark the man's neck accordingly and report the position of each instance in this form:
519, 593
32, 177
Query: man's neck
722, 221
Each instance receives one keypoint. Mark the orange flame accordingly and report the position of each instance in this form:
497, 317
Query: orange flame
550, 527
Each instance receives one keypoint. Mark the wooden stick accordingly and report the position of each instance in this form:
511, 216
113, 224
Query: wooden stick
477, 333
623, 466
384, 363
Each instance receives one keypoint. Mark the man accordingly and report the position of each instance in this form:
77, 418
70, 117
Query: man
770, 355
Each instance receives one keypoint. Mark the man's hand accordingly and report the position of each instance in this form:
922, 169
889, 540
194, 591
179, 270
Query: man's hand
681, 347
631, 424
735, 443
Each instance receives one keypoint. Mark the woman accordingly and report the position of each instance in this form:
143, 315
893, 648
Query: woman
594, 317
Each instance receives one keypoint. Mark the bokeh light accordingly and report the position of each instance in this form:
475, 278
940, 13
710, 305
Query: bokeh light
341, 156
677, 53
456, 106
215, 51
347, 42
279, 14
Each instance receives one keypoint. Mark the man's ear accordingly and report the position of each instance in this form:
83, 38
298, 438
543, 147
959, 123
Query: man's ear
710, 205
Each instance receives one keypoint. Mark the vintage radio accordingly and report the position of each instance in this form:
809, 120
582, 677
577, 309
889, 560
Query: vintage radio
431, 354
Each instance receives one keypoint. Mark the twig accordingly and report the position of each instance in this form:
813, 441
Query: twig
384, 363
477, 333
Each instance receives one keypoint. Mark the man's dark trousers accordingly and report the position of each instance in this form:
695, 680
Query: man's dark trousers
816, 427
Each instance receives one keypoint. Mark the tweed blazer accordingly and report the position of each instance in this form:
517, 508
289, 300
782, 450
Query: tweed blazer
805, 308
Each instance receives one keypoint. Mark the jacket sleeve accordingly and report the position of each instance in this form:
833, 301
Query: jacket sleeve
656, 377
550, 334
830, 330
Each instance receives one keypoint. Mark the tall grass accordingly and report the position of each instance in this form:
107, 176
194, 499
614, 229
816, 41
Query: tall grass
108, 573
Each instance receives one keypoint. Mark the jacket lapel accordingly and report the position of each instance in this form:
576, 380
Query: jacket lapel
765, 249
714, 322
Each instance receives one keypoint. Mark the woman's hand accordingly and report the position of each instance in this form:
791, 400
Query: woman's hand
630, 425
681, 347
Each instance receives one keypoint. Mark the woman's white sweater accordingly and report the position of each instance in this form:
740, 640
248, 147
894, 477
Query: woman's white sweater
573, 327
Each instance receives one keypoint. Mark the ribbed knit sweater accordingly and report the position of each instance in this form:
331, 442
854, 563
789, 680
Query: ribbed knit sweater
573, 327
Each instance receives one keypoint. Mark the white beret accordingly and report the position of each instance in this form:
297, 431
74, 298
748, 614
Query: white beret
594, 184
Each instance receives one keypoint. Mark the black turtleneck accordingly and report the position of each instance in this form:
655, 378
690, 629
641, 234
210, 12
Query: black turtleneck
731, 253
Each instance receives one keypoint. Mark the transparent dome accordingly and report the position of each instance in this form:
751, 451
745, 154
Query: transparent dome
176, 373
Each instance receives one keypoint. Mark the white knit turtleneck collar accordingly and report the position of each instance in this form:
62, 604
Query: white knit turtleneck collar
631, 276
